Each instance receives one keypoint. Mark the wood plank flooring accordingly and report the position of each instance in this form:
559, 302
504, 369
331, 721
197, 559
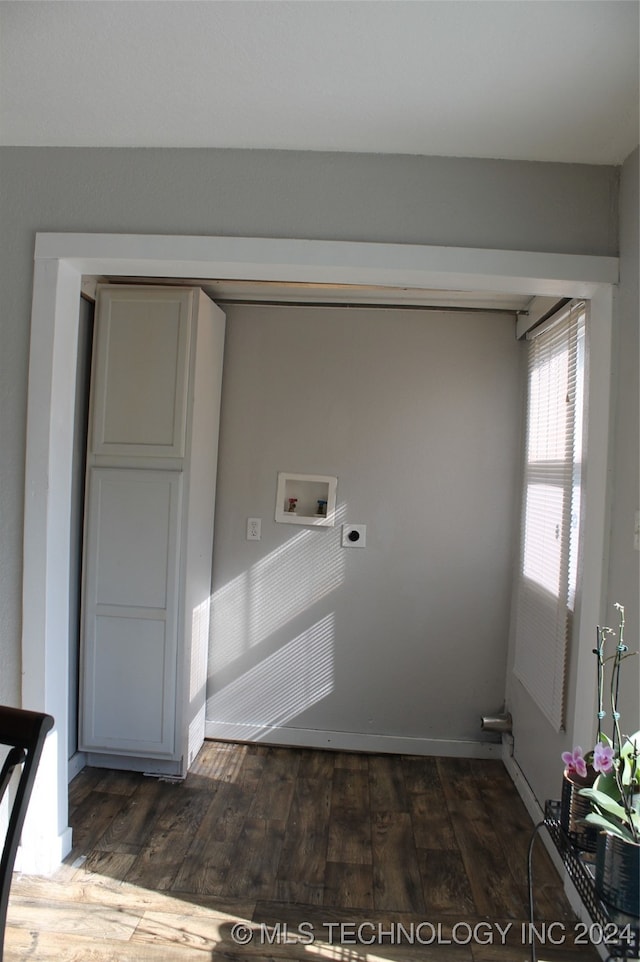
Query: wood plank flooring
373, 857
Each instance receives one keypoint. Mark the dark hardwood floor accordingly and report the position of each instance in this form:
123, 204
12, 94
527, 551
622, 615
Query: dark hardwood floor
312, 854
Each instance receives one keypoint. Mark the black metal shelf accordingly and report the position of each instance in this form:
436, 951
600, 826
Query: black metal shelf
581, 869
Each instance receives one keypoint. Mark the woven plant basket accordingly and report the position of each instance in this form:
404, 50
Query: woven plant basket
618, 873
574, 808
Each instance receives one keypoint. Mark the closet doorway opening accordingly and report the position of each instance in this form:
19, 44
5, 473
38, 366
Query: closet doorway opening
61, 262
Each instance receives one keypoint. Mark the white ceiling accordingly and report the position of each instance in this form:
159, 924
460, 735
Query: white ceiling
547, 80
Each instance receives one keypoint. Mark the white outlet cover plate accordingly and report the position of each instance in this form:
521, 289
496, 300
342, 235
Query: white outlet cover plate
254, 529
349, 531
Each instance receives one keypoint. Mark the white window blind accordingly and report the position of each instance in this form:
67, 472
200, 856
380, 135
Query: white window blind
550, 533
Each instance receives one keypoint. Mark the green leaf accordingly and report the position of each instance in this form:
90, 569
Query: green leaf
605, 802
631, 745
628, 772
629, 760
608, 785
616, 829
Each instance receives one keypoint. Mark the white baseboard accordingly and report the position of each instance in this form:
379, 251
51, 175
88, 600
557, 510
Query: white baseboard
76, 763
533, 807
352, 741
537, 815
525, 791
136, 763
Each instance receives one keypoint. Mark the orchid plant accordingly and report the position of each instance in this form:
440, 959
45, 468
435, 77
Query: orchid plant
615, 795
600, 760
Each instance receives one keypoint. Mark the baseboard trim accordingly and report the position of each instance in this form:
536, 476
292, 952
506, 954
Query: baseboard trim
525, 791
352, 741
536, 812
76, 763
136, 763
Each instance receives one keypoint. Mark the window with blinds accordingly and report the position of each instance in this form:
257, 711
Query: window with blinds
550, 533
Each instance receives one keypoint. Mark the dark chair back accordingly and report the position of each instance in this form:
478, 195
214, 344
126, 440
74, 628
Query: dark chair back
24, 732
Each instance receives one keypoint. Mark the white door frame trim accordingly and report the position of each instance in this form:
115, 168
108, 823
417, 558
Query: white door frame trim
59, 263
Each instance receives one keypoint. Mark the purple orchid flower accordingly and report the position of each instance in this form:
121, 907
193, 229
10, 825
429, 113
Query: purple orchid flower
574, 762
603, 758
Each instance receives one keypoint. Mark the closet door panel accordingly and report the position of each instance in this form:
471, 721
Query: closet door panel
129, 685
140, 379
131, 611
135, 536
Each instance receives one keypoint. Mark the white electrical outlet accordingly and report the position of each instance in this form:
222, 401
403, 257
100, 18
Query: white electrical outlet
254, 529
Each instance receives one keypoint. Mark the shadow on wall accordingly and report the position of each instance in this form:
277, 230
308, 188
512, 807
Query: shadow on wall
256, 604
281, 686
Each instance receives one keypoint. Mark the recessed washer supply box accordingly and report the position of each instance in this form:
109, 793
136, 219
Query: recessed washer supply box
308, 499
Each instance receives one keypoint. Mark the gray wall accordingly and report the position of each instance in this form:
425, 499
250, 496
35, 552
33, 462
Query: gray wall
493, 204
418, 416
536, 742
